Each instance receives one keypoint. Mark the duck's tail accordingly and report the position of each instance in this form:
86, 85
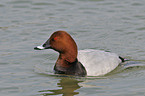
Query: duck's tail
123, 59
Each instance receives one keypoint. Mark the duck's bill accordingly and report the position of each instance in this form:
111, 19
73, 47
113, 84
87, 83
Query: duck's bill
39, 47
46, 45
42, 47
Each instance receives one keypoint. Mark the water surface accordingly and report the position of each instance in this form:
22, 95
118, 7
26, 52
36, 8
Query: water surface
111, 25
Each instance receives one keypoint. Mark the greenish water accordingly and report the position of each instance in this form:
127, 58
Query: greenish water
113, 25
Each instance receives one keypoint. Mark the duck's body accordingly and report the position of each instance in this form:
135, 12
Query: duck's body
86, 62
98, 62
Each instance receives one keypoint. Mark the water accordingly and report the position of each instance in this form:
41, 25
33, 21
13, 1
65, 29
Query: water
113, 25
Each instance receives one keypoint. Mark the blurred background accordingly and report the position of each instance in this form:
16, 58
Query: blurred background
117, 26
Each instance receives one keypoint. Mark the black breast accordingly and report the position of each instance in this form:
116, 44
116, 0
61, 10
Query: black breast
76, 68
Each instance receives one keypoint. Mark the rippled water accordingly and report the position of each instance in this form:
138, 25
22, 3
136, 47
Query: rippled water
113, 25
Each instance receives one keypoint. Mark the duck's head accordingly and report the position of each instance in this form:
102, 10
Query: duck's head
63, 43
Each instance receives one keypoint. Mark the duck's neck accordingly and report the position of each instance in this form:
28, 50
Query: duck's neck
66, 59
68, 56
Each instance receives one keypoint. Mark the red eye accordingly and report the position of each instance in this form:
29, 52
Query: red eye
55, 38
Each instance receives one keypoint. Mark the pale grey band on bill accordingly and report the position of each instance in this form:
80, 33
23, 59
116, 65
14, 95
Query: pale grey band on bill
40, 47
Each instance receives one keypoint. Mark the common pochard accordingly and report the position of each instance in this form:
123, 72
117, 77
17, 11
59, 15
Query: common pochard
88, 62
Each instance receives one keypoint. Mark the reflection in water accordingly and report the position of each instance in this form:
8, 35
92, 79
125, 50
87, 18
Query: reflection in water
68, 87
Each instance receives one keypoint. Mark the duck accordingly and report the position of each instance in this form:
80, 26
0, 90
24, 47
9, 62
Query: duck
87, 62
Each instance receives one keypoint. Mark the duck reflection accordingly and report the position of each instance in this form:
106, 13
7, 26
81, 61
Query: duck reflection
68, 87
